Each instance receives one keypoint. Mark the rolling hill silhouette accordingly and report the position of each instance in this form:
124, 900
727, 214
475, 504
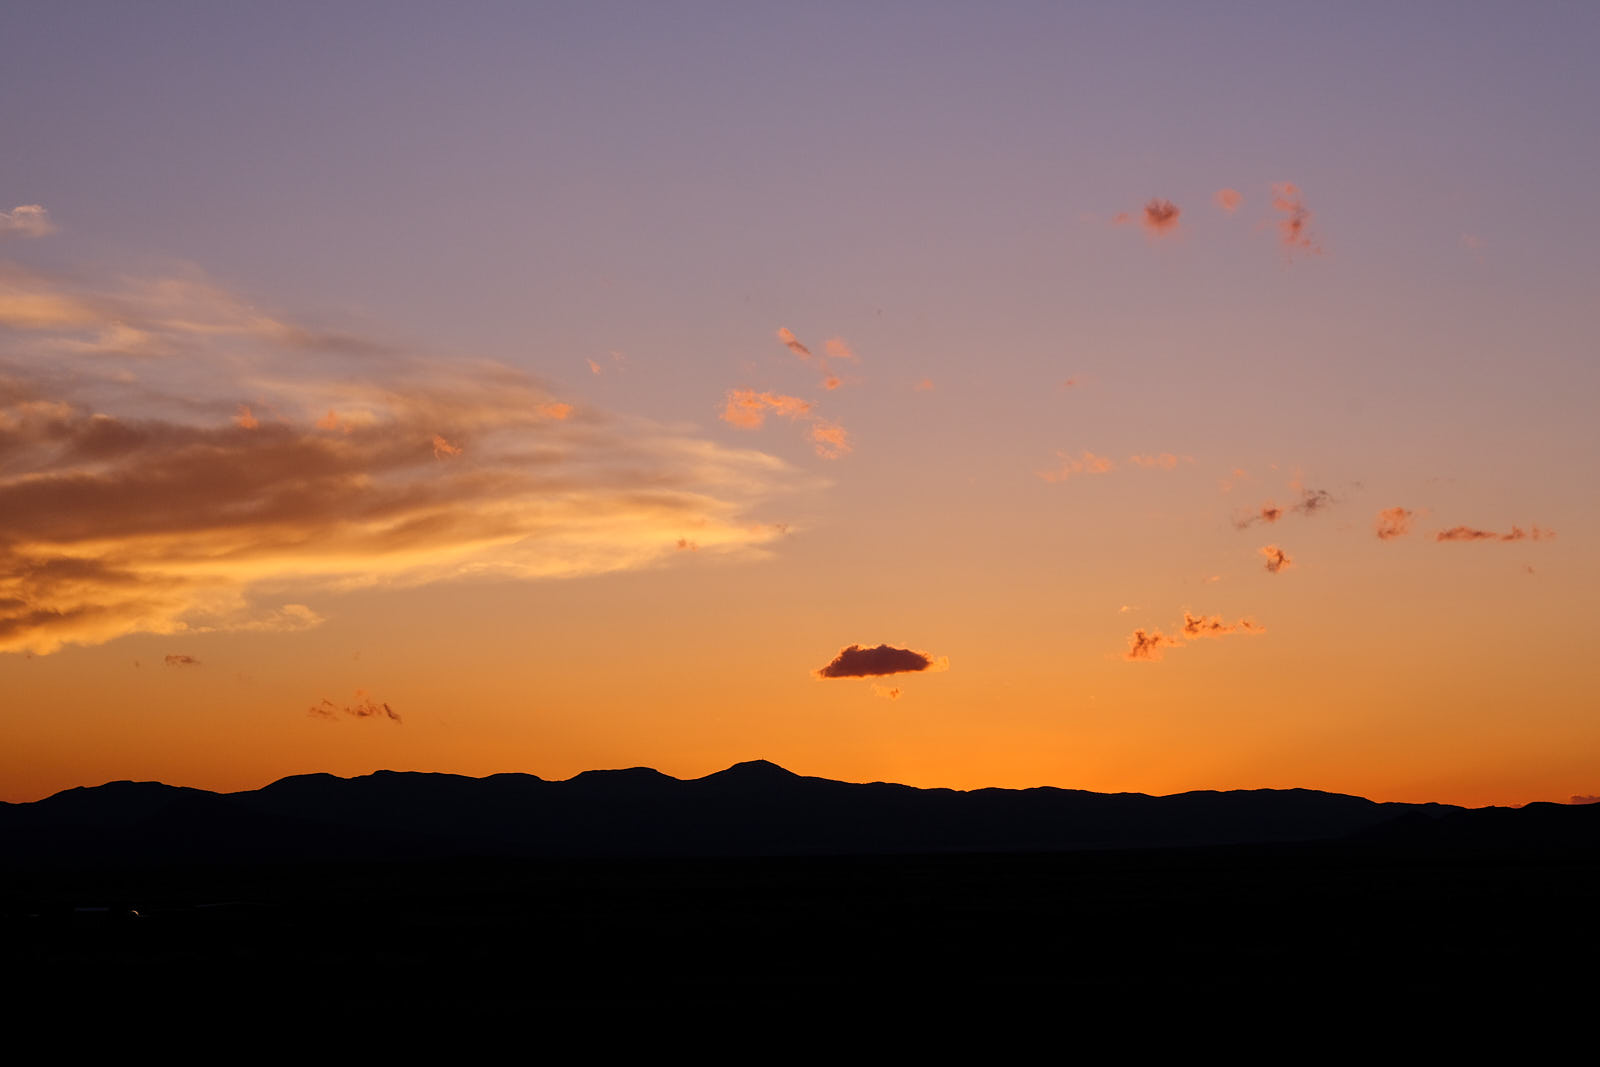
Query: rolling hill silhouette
750, 809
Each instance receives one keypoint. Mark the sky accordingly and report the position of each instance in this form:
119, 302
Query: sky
1125, 397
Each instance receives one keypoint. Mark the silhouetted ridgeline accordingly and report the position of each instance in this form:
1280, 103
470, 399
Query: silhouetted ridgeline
750, 809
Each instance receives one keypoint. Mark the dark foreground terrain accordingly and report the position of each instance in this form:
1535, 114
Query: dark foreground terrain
1288, 922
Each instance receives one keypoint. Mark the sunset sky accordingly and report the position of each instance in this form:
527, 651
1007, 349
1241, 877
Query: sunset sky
1189, 396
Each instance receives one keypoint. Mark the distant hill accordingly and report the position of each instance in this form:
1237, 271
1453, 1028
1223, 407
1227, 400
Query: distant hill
750, 809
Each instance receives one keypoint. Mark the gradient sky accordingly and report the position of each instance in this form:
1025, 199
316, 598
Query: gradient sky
509, 387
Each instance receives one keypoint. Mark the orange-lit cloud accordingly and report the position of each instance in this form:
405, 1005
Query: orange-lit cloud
180, 660
837, 348
792, 342
857, 661
1148, 646
1276, 558
1085, 463
1579, 798
1160, 217
363, 708
1164, 460
244, 418
1393, 522
594, 368
1517, 533
1293, 227
1229, 200
1311, 502
443, 448
144, 502
26, 220
1214, 626
686, 545
748, 409
887, 692
830, 439
923, 386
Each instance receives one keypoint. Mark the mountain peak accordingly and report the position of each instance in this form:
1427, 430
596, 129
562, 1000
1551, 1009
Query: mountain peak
755, 770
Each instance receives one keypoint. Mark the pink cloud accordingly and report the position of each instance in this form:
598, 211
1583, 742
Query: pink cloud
1229, 200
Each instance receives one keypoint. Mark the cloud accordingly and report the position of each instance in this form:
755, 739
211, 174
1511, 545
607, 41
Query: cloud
594, 368
923, 386
859, 662
1293, 227
748, 409
135, 499
1268, 513
363, 708
1277, 560
1148, 646
1214, 626
1517, 533
837, 348
1393, 522
443, 448
1085, 463
887, 692
792, 342
830, 439
26, 220
1165, 460
1578, 798
1229, 200
1161, 216
244, 418
1313, 501
181, 661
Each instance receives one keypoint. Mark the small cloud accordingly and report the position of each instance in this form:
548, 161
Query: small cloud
1161, 216
1393, 522
923, 386
830, 439
1313, 500
686, 545
443, 448
1229, 200
1085, 463
748, 409
1235, 476
1125, 609
1165, 460
1148, 646
1071, 383
859, 662
887, 692
1293, 227
1277, 560
363, 708
1214, 626
244, 418
1517, 533
554, 409
594, 368
26, 220
182, 661
1268, 513
837, 348
792, 343
332, 421
1578, 798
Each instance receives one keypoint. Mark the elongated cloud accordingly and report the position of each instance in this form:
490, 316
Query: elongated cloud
1392, 523
857, 661
1276, 558
443, 448
1148, 645
834, 348
180, 660
26, 220
138, 500
1229, 200
748, 409
1517, 533
1310, 503
363, 708
792, 343
1580, 798
1294, 226
1214, 626
1084, 463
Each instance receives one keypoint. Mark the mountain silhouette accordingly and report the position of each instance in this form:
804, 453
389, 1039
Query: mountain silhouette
753, 808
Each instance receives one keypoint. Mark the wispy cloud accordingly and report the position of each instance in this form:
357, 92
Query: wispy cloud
792, 343
1294, 226
1148, 645
144, 498
1517, 533
1277, 559
1310, 503
1229, 200
1392, 523
830, 439
748, 409
858, 661
180, 660
1159, 217
1085, 462
26, 220
364, 708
